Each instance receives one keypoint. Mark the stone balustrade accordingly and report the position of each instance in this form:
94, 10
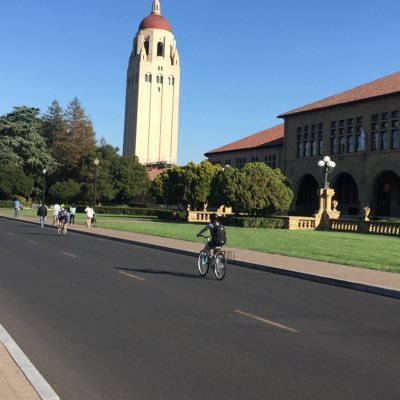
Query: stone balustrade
199, 216
310, 223
302, 223
344, 225
374, 227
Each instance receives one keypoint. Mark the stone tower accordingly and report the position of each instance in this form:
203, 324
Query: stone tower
152, 93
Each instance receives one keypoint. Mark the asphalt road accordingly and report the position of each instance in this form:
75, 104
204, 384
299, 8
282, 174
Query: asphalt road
107, 320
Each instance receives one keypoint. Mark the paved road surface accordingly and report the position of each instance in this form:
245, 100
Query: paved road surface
109, 320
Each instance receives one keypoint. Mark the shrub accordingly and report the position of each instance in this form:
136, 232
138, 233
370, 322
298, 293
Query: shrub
254, 222
124, 210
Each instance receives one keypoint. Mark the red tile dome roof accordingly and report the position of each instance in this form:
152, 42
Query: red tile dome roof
154, 21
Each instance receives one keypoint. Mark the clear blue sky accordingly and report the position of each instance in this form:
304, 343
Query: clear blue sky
242, 62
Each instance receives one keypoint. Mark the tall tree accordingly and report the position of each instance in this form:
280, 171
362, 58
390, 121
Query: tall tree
77, 142
54, 123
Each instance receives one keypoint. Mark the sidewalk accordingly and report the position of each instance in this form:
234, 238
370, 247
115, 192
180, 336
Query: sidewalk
14, 384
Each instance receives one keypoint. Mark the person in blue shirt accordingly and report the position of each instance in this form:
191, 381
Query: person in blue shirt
17, 205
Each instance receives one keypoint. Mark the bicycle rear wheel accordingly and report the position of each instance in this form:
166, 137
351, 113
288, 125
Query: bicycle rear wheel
220, 266
202, 263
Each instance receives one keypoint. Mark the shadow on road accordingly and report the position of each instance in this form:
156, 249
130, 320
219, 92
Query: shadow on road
157, 272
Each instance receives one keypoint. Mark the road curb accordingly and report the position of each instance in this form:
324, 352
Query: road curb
42, 388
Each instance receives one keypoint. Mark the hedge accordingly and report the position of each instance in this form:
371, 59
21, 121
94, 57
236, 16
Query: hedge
254, 222
6, 204
161, 214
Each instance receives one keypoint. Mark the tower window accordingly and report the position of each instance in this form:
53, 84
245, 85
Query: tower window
160, 49
146, 46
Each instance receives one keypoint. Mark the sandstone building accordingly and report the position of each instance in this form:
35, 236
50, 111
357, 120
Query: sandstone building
358, 129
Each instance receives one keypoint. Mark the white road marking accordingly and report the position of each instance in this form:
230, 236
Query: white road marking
10, 234
44, 390
132, 276
267, 321
33, 242
69, 254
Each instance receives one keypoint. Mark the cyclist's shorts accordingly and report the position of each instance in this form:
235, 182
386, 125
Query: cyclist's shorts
212, 245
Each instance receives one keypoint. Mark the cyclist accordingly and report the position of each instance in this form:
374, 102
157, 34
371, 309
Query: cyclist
215, 241
62, 221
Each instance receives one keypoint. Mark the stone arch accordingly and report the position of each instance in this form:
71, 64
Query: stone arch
386, 195
307, 199
346, 193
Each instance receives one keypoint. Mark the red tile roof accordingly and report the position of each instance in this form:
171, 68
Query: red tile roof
384, 86
269, 137
152, 173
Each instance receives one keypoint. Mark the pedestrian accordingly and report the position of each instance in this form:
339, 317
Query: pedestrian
72, 212
42, 213
89, 215
94, 220
17, 206
56, 210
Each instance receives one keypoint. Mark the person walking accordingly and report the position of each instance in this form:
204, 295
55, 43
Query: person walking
42, 213
72, 212
17, 206
56, 210
89, 215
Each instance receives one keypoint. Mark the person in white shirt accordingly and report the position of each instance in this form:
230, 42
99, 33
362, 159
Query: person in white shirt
72, 213
89, 215
56, 210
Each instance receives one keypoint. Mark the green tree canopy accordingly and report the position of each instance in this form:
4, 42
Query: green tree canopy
66, 191
258, 189
187, 185
14, 182
130, 178
21, 139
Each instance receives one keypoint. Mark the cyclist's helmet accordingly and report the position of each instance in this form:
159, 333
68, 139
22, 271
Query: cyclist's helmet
213, 217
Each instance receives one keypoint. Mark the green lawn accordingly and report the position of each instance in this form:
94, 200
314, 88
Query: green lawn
361, 250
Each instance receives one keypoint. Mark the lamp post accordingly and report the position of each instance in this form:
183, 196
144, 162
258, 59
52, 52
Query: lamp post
44, 183
327, 166
96, 162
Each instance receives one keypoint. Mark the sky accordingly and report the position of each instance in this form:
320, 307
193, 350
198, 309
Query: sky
242, 62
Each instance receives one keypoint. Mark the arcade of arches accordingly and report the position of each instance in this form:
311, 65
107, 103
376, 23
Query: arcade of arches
382, 195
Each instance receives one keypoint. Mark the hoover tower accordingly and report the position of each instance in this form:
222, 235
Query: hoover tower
152, 93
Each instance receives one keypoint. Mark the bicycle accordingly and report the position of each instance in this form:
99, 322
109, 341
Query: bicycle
62, 228
217, 262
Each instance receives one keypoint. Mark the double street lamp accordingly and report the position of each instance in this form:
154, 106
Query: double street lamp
327, 166
44, 183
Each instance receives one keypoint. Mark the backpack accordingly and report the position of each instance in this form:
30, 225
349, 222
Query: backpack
219, 234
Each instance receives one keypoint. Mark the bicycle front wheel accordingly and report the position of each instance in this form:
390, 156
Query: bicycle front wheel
202, 263
220, 266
